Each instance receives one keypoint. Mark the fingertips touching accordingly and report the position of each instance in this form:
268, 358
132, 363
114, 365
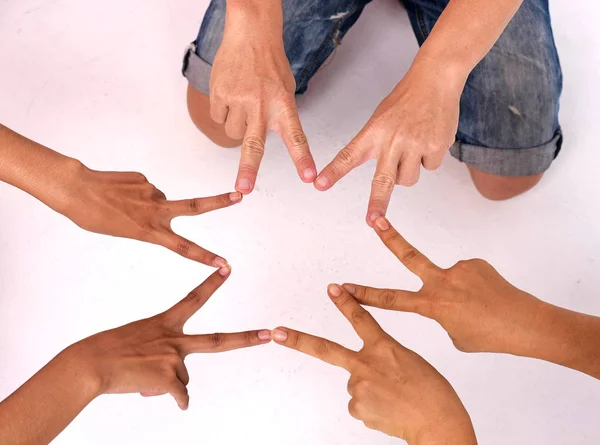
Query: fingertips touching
334, 290
225, 270
279, 335
350, 288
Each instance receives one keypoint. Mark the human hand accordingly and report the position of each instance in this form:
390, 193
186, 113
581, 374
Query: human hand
252, 91
125, 204
480, 310
147, 356
393, 389
416, 124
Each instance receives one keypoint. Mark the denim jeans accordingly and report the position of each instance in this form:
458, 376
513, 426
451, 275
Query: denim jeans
508, 110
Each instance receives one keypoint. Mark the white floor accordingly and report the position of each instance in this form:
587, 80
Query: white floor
100, 81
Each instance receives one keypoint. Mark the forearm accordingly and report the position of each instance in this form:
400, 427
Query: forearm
567, 338
35, 169
40, 409
465, 32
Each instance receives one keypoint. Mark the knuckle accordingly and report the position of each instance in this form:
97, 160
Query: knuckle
184, 247
388, 298
286, 101
295, 341
194, 205
410, 254
224, 200
216, 340
194, 296
346, 156
371, 425
322, 348
298, 138
254, 146
139, 177
363, 387
359, 314
476, 262
385, 181
353, 409
249, 338
304, 159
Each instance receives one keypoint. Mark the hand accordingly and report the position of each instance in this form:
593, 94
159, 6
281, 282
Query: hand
127, 205
147, 356
252, 91
416, 124
393, 389
480, 310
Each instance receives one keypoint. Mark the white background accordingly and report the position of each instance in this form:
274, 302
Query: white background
101, 81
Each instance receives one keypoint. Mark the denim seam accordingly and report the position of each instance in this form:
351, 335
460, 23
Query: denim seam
421, 22
310, 65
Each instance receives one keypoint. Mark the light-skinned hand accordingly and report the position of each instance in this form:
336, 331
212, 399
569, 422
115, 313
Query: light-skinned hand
252, 92
415, 125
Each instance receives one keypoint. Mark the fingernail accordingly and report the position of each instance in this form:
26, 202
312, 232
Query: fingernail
219, 262
309, 174
373, 216
279, 335
350, 288
225, 270
322, 182
334, 290
382, 224
235, 197
244, 184
264, 335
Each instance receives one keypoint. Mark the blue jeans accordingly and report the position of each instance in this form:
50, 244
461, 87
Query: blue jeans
508, 110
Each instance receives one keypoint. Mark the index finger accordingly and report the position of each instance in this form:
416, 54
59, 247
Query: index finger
198, 206
253, 149
414, 260
183, 311
361, 320
210, 343
350, 157
321, 348
187, 249
290, 130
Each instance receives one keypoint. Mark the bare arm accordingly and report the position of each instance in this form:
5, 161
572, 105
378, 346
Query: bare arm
145, 357
35, 169
416, 124
45, 405
464, 33
482, 312
120, 204
564, 337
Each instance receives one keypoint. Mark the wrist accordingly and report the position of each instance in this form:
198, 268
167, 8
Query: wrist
451, 71
79, 371
67, 180
257, 16
447, 433
569, 339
